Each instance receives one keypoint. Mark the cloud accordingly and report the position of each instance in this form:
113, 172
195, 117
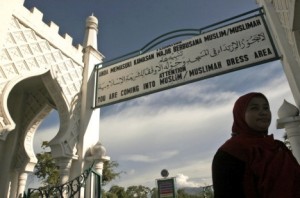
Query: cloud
183, 181
45, 134
178, 129
181, 128
150, 159
193, 120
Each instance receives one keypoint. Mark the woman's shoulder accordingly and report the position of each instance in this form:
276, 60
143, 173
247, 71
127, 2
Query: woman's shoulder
238, 146
234, 143
222, 155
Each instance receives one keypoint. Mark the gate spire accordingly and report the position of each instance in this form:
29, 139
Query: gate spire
90, 37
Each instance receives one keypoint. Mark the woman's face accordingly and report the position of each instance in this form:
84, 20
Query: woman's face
258, 114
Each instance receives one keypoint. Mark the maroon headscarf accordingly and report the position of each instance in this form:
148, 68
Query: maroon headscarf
239, 124
271, 170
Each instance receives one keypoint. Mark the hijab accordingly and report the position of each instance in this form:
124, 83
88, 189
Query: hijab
239, 124
270, 168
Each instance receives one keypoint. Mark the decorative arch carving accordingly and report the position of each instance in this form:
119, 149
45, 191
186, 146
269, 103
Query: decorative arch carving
64, 143
28, 104
26, 159
7, 124
26, 54
39, 70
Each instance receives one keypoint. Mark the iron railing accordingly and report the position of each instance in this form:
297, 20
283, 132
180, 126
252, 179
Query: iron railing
88, 184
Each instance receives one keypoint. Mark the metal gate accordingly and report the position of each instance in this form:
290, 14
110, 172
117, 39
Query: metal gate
87, 185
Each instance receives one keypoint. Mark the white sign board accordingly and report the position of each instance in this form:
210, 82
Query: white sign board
245, 43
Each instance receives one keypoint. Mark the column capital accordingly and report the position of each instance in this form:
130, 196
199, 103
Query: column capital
288, 116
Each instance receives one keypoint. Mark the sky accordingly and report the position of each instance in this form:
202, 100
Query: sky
178, 129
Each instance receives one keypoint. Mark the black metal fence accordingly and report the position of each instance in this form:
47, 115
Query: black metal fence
88, 184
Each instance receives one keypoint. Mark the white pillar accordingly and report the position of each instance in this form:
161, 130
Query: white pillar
22, 183
89, 130
91, 188
96, 154
64, 168
283, 25
290, 120
98, 166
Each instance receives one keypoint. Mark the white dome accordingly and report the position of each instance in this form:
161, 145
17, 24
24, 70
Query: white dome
287, 110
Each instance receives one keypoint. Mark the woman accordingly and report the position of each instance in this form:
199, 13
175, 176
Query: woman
251, 164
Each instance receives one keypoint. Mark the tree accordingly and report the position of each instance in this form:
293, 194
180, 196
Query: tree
138, 191
109, 172
154, 193
118, 191
48, 172
45, 169
207, 192
109, 195
182, 194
